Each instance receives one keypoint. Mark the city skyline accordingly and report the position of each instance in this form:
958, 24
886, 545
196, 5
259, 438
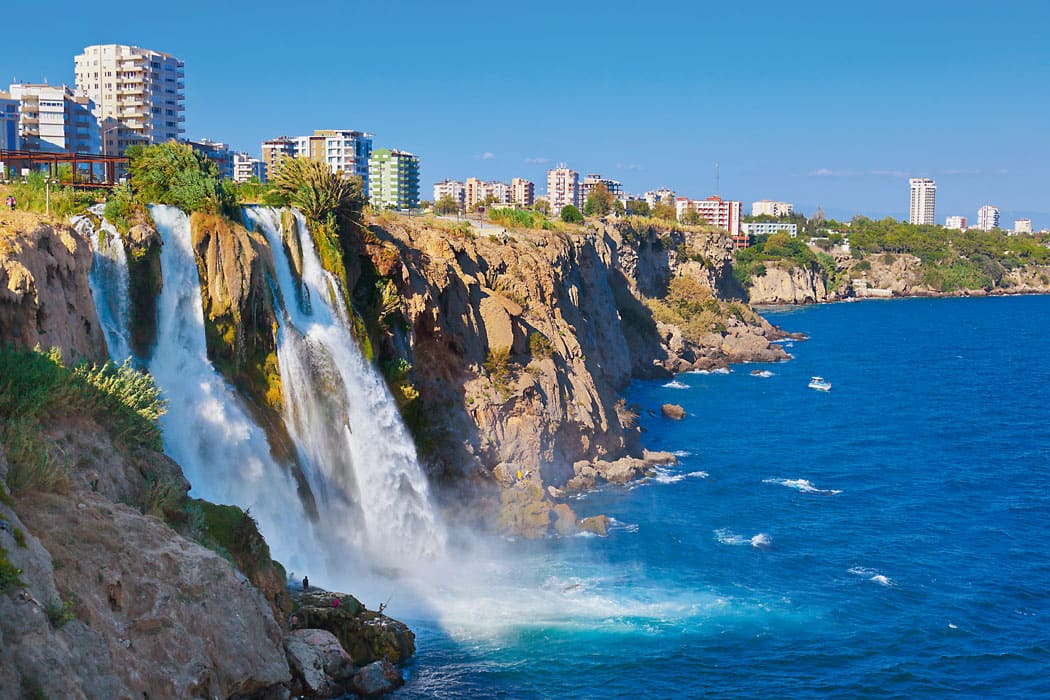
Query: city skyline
823, 115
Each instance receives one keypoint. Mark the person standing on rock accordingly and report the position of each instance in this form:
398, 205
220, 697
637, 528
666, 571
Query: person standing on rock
306, 583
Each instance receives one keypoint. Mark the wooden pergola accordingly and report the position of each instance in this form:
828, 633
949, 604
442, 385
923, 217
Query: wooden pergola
19, 160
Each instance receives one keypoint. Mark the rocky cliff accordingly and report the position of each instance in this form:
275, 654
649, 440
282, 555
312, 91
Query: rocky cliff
45, 297
788, 284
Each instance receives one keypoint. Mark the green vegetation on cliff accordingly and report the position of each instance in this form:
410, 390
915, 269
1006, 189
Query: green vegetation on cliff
779, 248
33, 195
696, 310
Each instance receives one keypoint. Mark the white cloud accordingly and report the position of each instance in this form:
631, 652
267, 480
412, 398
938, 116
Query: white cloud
961, 171
827, 172
537, 161
628, 166
487, 155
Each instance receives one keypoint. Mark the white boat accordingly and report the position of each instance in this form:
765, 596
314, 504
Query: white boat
819, 383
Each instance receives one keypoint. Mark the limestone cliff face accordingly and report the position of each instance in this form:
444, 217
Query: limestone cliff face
784, 284
45, 297
520, 345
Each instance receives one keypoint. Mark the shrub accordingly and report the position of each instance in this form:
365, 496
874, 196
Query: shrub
498, 367
540, 345
59, 613
571, 215
520, 218
173, 173
9, 574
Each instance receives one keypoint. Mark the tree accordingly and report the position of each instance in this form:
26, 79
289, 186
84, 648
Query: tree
692, 216
446, 205
571, 215
618, 208
665, 210
599, 201
173, 173
542, 206
638, 207
312, 187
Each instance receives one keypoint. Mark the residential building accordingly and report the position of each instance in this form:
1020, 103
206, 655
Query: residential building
246, 166
218, 153
654, 197
563, 187
923, 201
725, 214
988, 217
138, 94
592, 181
450, 188
344, 150
956, 223
767, 207
394, 179
9, 122
477, 192
54, 118
522, 192
274, 151
766, 228
1022, 226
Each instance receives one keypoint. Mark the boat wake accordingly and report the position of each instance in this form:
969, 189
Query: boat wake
803, 486
759, 541
872, 575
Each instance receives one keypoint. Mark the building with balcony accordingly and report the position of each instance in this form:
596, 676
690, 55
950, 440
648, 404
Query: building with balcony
9, 122
138, 94
956, 223
274, 151
393, 179
988, 217
592, 181
218, 153
54, 118
478, 192
769, 228
1022, 226
715, 211
345, 151
522, 192
923, 201
563, 187
246, 166
664, 195
767, 207
450, 188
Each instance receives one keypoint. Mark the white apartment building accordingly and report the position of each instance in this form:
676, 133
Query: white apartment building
923, 201
563, 188
246, 166
138, 94
988, 217
955, 223
344, 150
766, 228
522, 192
715, 211
54, 118
9, 139
479, 191
767, 207
450, 188
654, 197
1022, 226
591, 181
218, 153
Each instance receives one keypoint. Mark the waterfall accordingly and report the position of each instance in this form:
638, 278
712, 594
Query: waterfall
360, 461
108, 280
223, 453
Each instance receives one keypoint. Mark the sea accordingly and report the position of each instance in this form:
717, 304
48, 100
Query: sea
889, 538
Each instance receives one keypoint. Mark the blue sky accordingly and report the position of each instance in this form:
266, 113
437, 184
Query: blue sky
818, 103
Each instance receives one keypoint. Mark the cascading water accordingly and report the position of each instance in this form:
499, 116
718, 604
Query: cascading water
360, 460
222, 451
109, 281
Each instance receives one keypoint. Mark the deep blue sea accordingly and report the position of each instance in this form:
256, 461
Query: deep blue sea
889, 538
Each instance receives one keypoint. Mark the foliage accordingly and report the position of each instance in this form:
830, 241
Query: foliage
446, 205
695, 309
316, 191
750, 262
540, 346
599, 201
34, 193
59, 613
665, 211
571, 215
638, 207
234, 534
542, 206
173, 173
9, 574
498, 367
121, 208
520, 218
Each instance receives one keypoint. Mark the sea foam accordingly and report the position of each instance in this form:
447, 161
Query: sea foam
803, 486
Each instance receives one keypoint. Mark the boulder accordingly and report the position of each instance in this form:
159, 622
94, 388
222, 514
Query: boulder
655, 457
524, 510
564, 520
366, 635
673, 411
621, 470
598, 524
318, 662
377, 678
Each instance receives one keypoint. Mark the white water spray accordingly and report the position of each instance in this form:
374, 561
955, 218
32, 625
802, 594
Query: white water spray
109, 281
359, 459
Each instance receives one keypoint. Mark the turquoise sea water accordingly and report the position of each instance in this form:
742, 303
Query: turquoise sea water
889, 538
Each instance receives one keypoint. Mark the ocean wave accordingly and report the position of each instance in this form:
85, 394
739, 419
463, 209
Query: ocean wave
615, 524
759, 541
663, 475
698, 475
720, 370
872, 575
803, 486
675, 384
764, 373
683, 453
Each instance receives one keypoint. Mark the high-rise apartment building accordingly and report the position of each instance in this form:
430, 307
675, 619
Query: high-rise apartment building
1022, 226
9, 122
345, 151
724, 214
138, 94
522, 192
563, 187
923, 201
450, 188
662, 195
592, 181
394, 179
478, 192
54, 118
218, 153
988, 217
276, 150
767, 207
246, 166
956, 223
